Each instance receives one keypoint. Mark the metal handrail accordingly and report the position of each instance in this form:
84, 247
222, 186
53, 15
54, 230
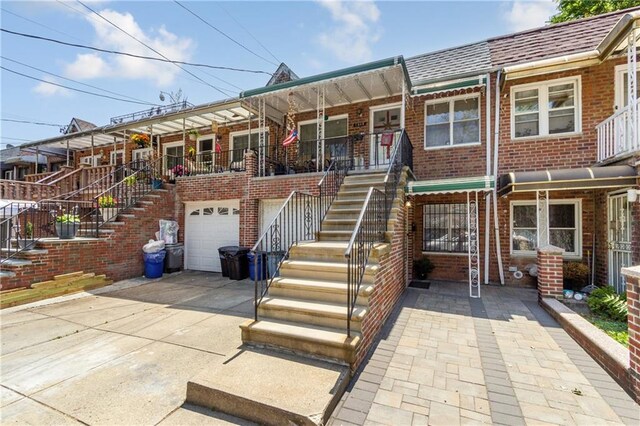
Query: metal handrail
330, 183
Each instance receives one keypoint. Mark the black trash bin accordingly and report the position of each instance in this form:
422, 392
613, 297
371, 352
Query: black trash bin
222, 252
238, 263
174, 259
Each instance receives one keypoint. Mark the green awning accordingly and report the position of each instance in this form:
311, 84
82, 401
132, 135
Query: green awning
443, 87
450, 186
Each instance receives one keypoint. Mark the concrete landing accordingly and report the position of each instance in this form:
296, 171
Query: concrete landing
271, 388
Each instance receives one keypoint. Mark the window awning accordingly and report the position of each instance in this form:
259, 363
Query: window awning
568, 179
450, 186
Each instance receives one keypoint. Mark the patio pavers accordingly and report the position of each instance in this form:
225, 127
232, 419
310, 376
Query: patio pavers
444, 358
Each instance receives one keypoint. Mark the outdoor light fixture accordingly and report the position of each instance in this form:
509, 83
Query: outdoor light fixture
632, 195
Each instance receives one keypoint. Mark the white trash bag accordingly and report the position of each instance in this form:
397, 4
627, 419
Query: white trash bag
153, 246
169, 231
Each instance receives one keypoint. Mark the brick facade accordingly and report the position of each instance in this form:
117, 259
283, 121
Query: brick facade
550, 272
633, 303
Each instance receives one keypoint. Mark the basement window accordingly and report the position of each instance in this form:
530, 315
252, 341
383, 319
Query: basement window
444, 228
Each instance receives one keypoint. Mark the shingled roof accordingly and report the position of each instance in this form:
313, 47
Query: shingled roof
450, 62
551, 41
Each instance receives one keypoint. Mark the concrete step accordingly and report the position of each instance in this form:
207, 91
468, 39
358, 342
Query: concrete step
311, 312
328, 251
348, 203
325, 271
359, 185
330, 235
313, 340
317, 290
365, 174
12, 264
342, 224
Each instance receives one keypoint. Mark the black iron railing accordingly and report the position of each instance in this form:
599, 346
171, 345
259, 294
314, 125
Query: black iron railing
372, 221
329, 185
297, 221
205, 163
110, 203
22, 225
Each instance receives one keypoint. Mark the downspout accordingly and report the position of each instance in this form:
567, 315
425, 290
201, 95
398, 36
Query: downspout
487, 197
496, 144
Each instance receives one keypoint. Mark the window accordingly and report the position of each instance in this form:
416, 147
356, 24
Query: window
93, 161
174, 155
335, 134
564, 226
116, 157
452, 122
622, 86
444, 228
205, 150
240, 142
545, 109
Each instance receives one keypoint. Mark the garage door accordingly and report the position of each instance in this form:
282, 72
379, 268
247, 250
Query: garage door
209, 225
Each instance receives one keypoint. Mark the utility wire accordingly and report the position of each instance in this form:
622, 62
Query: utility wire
16, 139
73, 88
132, 55
77, 82
223, 33
249, 32
39, 123
38, 23
155, 51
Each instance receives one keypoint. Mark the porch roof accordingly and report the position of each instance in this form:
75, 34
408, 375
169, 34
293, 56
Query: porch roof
451, 186
568, 179
359, 83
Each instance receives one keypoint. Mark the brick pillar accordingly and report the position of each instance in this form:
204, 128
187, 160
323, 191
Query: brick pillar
251, 163
550, 272
248, 222
632, 276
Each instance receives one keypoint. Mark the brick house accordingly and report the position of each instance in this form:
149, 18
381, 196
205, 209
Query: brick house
518, 142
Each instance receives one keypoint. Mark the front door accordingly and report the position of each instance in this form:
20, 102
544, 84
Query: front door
383, 121
619, 220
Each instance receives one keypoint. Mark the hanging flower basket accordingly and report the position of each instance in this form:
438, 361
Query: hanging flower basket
140, 139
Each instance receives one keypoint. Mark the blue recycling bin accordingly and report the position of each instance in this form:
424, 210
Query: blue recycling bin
154, 264
273, 260
257, 263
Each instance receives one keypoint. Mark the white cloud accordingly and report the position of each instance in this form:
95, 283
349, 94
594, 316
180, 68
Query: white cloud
353, 32
526, 14
88, 66
46, 89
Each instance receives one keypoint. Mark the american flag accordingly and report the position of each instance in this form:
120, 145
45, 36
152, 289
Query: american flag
218, 148
293, 136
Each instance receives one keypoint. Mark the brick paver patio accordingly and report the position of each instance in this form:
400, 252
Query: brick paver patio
446, 359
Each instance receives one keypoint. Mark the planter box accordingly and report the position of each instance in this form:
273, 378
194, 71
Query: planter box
108, 213
67, 231
27, 244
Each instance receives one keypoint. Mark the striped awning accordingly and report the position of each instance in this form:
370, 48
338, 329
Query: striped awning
451, 186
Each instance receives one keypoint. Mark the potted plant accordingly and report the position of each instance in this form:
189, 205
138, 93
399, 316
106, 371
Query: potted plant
140, 139
26, 242
130, 182
422, 268
179, 171
108, 209
191, 152
67, 225
193, 134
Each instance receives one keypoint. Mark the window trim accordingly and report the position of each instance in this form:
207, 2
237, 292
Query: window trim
96, 159
243, 133
543, 107
578, 221
447, 253
620, 71
113, 156
451, 100
212, 137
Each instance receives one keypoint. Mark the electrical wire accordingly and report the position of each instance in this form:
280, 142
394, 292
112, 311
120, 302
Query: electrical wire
39, 123
248, 32
77, 82
73, 88
224, 92
16, 139
223, 33
38, 23
132, 55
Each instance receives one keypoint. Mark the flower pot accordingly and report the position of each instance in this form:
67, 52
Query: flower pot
193, 137
156, 183
108, 213
67, 230
26, 244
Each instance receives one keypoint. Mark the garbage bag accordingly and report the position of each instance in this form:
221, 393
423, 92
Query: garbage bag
153, 246
169, 231
157, 257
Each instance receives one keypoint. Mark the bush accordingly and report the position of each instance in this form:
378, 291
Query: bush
423, 267
606, 303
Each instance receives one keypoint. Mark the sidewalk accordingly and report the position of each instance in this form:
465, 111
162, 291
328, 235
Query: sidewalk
446, 359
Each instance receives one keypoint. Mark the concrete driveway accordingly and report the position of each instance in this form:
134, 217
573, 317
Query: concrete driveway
120, 357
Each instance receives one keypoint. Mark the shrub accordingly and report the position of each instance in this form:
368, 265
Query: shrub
423, 267
606, 303
575, 271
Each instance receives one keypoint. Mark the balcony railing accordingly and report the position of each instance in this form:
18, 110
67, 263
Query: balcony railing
205, 163
615, 135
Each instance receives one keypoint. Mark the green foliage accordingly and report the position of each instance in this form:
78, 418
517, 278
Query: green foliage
423, 267
68, 218
576, 271
617, 330
130, 180
605, 303
576, 9
28, 230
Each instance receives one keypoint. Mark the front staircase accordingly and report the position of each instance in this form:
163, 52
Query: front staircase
305, 310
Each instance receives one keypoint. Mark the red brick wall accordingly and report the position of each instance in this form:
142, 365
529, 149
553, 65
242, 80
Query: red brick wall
633, 304
118, 255
550, 272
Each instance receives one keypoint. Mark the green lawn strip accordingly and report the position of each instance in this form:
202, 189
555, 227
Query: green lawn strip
617, 330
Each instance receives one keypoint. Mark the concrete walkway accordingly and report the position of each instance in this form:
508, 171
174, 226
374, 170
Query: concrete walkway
446, 359
121, 357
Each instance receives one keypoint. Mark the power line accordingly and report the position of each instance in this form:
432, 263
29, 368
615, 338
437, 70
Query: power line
39, 123
38, 23
16, 139
77, 82
154, 50
248, 32
132, 55
223, 33
73, 88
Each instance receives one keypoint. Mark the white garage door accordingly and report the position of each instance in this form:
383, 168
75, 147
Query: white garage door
208, 226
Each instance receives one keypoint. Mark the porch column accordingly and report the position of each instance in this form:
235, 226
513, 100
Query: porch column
542, 204
631, 88
92, 159
37, 159
632, 276
550, 272
124, 148
473, 248
320, 130
67, 152
261, 139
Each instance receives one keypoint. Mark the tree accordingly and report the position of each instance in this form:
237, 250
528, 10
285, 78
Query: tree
576, 9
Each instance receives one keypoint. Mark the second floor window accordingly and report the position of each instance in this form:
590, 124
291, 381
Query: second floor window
544, 109
452, 122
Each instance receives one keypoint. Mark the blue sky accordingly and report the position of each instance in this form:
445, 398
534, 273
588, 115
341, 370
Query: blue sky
310, 36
